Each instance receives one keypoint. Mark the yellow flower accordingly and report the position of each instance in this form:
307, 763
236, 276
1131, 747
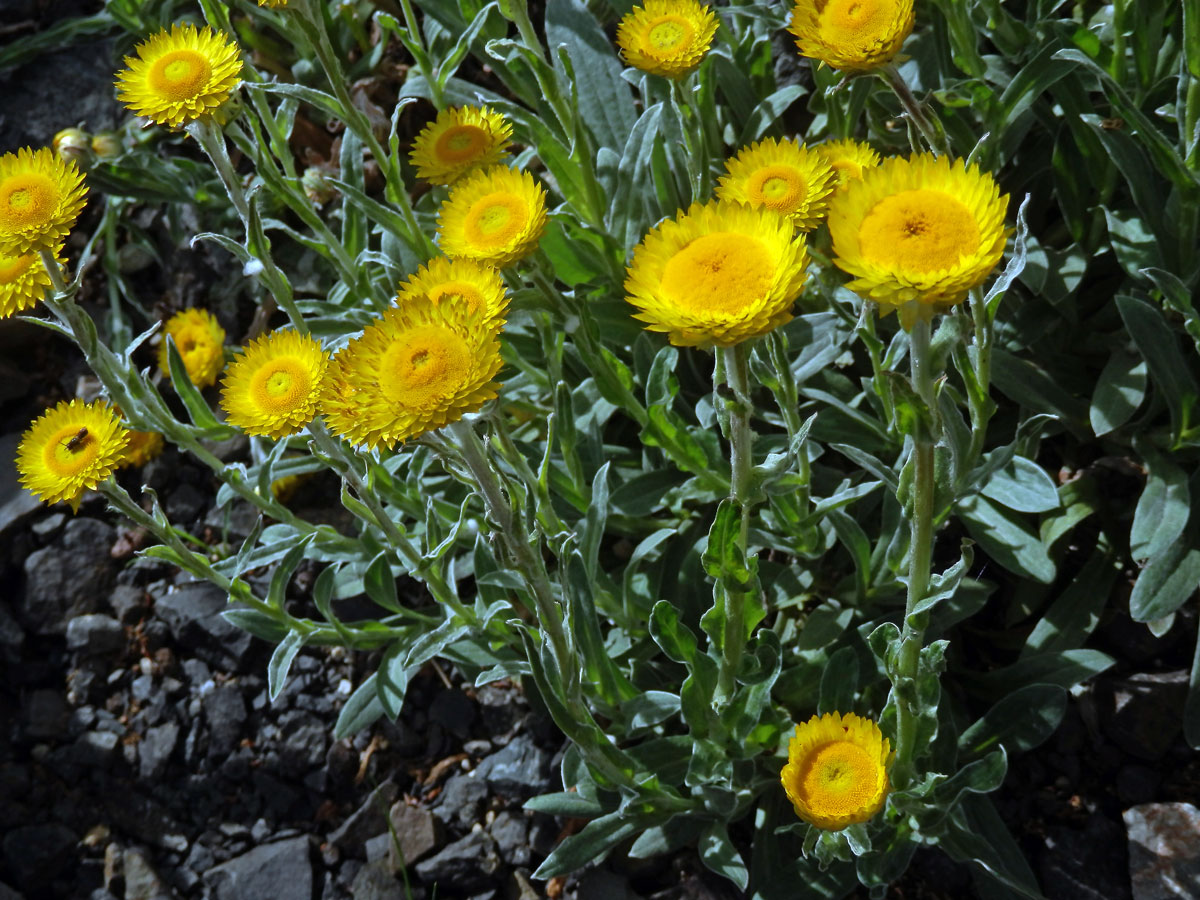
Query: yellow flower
848, 159
495, 216
179, 75
851, 34
23, 281
41, 196
200, 341
143, 446
836, 773
69, 450
666, 37
479, 286
458, 141
274, 4
918, 233
781, 175
718, 274
272, 387
419, 367
72, 144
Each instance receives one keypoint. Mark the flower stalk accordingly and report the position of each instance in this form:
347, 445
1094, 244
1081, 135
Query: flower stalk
928, 126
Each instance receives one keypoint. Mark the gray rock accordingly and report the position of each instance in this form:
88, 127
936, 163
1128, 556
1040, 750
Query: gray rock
225, 711
303, 747
12, 636
1146, 712
16, 503
510, 831
45, 714
454, 711
265, 871
416, 831
37, 854
155, 750
7, 893
461, 801
1080, 864
1137, 784
1164, 851
141, 881
519, 771
48, 525
184, 503
97, 749
365, 822
375, 882
465, 865
193, 613
128, 602
601, 884
55, 591
95, 634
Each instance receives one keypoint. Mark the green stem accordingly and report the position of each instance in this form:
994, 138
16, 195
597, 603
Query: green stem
917, 113
695, 135
788, 401
741, 441
920, 558
423, 62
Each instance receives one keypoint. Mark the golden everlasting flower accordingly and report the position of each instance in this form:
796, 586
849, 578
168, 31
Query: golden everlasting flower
179, 75
143, 446
70, 449
837, 770
918, 233
274, 4
479, 286
459, 141
667, 37
718, 274
781, 175
848, 159
421, 366
41, 196
200, 341
495, 216
23, 281
272, 387
851, 34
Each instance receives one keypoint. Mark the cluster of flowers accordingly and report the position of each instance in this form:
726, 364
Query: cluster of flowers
916, 234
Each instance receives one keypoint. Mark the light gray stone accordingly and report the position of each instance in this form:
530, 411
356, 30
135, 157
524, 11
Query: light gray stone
1164, 851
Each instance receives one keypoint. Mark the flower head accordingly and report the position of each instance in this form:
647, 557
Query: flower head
495, 216
41, 196
479, 286
200, 341
273, 4
458, 141
143, 446
70, 449
781, 175
272, 387
851, 34
180, 75
848, 159
419, 367
918, 233
837, 770
718, 274
666, 37
23, 281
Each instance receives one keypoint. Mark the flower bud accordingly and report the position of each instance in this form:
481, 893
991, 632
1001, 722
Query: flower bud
107, 144
316, 184
72, 145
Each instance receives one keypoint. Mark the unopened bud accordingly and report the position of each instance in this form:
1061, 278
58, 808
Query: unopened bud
107, 144
317, 188
72, 144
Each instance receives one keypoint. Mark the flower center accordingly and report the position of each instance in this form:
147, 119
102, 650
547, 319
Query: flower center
918, 231
26, 199
723, 272
180, 74
460, 290
846, 169
280, 386
856, 21
496, 219
780, 188
13, 267
839, 779
461, 143
424, 365
70, 451
667, 34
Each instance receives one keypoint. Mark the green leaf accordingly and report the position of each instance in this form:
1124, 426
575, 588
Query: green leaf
839, 682
649, 708
391, 681
1168, 580
770, 109
719, 855
723, 557
1164, 507
975, 834
1019, 722
1159, 345
361, 710
1072, 617
1191, 709
281, 662
197, 409
257, 623
1120, 390
286, 569
568, 804
1065, 668
1022, 485
1006, 540
672, 636
591, 845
